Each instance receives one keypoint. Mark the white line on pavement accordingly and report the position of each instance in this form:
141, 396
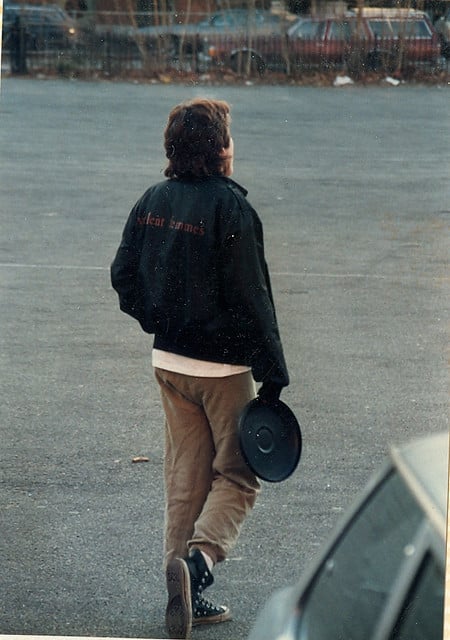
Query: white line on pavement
288, 274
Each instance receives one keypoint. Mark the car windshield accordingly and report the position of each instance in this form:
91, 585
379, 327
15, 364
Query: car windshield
422, 615
227, 19
240, 18
353, 584
42, 16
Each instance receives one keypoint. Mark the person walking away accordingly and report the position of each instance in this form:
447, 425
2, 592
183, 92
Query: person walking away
191, 269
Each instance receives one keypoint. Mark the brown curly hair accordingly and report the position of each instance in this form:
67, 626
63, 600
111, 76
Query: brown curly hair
196, 134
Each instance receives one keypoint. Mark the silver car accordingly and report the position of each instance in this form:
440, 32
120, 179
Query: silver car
381, 576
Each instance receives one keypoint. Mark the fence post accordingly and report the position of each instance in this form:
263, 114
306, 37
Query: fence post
18, 47
108, 53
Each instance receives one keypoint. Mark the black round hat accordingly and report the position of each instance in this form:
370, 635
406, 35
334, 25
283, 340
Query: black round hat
270, 439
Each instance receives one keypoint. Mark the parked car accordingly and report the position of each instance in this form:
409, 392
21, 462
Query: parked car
241, 20
379, 39
382, 574
228, 38
44, 26
397, 36
442, 26
190, 38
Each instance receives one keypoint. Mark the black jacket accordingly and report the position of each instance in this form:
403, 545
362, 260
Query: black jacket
191, 269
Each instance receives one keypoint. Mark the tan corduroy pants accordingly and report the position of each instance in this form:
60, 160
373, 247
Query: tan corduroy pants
209, 488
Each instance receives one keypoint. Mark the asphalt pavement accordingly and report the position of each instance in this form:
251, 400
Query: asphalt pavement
352, 186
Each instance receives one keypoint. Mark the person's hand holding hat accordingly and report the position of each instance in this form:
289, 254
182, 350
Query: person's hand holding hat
269, 392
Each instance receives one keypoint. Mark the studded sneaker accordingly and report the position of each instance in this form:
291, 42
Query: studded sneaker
187, 578
203, 611
179, 605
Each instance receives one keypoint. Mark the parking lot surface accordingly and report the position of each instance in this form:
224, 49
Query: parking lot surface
353, 191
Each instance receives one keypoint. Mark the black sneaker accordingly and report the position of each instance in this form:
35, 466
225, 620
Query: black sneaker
204, 612
187, 578
179, 605
201, 576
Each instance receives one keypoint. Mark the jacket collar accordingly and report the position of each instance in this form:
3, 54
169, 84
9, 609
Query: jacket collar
236, 184
232, 183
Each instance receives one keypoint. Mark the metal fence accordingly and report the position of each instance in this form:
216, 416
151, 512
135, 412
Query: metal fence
115, 45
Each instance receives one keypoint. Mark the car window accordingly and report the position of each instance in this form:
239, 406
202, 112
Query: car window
341, 30
380, 28
257, 18
36, 17
354, 583
309, 29
410, 28
228, 19
423, 614
241, 18
47, 19
384, 28
9, 15
60, 14
223, 21
54, 16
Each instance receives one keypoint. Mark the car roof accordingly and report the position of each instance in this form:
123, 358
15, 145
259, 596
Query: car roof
377, 13
34, 7
391, 12
238, 10
423, 464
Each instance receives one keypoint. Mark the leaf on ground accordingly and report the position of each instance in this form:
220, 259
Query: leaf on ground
140, 459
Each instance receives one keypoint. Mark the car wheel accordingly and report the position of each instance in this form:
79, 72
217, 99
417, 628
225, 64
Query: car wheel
445, 49
247, 62
35, 43
355, 63
382, 61
7, 41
